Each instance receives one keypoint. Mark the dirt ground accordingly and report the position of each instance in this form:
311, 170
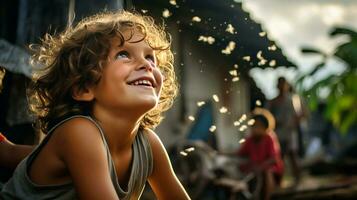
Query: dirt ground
319, 187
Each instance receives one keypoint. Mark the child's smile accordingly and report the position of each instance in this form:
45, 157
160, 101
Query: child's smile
144, 82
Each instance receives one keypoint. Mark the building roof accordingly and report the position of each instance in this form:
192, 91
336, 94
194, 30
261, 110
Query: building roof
215, 17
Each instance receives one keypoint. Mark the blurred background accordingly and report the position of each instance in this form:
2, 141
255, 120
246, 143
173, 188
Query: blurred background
229, 55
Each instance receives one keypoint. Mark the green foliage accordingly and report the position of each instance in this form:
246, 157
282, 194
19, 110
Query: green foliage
342, 98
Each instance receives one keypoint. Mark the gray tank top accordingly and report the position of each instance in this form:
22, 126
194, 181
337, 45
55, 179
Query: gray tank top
21, 187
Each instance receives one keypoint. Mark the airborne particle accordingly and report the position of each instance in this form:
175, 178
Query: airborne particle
201, 103
235, 79
243, 128
230, 47
262, 60
230, 29
196, 19
212, 128
215, 98
262, 34
251, 122
241, 141
190, 149
246, 58
243, 118
233, 72
258, 103
223, 109
192, 118
272, 48
183, 153
173, 2
166, 13
208, 39
259, 55
272, 63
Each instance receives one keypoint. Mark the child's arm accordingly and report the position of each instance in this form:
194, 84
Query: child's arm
266, 164
163, 180
11, 154
81, 148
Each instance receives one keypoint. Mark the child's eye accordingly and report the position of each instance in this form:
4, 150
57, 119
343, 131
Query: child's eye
122, 55
151, 58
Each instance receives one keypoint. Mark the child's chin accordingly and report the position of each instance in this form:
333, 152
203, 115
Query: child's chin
149, 104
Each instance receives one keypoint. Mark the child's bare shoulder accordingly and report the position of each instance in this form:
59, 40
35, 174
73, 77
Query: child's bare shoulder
152, 137
76, 127
157, 147
77, 133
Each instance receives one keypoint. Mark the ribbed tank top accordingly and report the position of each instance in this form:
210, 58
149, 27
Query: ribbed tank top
21, 187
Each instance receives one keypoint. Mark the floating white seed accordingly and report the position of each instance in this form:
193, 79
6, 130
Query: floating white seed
196, 19
233, 72
246, 58
215, 98
212, 128
201, 103
235, 79
166, 13
192, 118
258, 103
230, 29
173, 2
223, 109
183, 153
190, 149
272, 63
251, 122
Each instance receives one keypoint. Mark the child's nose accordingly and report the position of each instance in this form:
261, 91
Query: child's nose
146, 65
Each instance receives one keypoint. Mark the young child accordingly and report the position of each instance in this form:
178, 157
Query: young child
104, 86
263, 152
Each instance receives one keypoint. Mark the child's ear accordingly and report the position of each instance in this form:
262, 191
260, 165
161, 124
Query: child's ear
82, 94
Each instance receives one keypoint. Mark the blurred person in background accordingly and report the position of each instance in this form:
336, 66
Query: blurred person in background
288, 112
263, 152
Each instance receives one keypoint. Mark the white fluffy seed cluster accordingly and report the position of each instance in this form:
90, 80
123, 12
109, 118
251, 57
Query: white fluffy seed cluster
207, 39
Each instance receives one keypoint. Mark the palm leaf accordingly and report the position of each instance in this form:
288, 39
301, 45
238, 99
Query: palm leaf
343, 31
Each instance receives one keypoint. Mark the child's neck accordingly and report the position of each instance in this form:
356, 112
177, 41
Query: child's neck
119, 130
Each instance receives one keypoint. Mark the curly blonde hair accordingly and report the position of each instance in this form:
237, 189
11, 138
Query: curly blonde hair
76, 57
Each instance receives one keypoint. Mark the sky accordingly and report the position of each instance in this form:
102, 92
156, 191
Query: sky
297, 24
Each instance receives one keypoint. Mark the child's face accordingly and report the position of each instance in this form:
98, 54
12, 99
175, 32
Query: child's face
130, 80
258, 128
